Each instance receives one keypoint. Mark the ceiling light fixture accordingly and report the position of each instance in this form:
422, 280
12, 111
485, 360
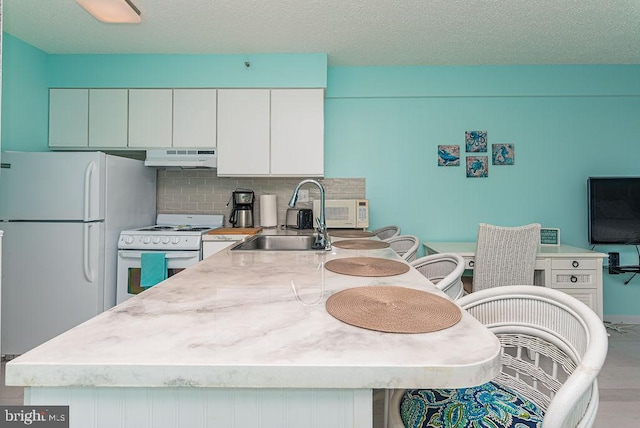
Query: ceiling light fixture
112, 11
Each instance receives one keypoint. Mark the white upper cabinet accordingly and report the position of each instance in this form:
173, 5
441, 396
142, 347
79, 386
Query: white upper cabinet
88, 118
68, 118
257, 132
278, 132
108, 118
243, 132
194, 118
297, 132
132, 118
150, 118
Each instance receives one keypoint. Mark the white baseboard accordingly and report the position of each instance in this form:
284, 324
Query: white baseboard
623, 319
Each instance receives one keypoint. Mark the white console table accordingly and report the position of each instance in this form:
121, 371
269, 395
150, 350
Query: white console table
575, 271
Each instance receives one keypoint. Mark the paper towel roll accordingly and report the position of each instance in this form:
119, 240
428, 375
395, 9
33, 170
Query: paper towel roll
268, 211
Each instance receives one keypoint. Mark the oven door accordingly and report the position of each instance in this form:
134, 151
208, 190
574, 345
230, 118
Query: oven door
129, 269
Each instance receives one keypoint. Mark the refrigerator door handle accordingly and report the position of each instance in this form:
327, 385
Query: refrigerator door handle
88, 175
86, 252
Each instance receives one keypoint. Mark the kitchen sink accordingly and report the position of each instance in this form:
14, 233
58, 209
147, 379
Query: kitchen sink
277, 243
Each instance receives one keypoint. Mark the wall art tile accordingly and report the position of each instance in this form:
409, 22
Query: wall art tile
477, 166
502, 154
475, 141
449, 155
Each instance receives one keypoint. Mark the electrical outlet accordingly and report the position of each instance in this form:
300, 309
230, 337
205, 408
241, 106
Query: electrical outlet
614, 262
303, 195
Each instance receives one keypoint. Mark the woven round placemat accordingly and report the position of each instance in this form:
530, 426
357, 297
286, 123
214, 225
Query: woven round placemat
393, 309
351, 233
361, 244
367, 266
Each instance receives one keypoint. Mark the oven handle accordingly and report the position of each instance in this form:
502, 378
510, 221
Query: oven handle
168, 255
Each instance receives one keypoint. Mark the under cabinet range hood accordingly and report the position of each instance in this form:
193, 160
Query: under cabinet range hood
182, 158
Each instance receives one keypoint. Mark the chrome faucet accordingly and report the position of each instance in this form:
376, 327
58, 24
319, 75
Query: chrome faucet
322, 242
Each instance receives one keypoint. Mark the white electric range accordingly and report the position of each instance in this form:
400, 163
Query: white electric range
177, 236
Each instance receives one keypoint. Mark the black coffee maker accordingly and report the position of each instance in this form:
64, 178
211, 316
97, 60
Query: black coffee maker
242, 209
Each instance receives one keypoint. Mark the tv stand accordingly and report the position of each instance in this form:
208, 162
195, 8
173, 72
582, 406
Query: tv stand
625, 269
616, 269
575, 271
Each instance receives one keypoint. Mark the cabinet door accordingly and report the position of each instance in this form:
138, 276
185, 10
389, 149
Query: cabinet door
297, 132
212, 247
587, 296
108, 118
150, 118
68, 118
194, 118
243, 132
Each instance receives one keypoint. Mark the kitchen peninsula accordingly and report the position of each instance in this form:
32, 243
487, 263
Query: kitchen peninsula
245, 336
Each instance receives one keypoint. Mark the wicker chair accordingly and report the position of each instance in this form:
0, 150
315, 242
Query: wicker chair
444, 270
567, 338
505, 255
406, 246
387, 232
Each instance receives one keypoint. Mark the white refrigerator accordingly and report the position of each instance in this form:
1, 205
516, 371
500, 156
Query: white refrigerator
62, 213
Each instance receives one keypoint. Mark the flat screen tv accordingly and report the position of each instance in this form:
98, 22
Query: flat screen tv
614, 210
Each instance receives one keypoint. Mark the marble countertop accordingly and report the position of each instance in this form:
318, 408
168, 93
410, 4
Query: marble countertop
257, 319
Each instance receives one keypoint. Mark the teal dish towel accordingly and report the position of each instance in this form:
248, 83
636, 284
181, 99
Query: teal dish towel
154, 269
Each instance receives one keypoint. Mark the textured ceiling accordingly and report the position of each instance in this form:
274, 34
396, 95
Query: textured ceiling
351, 32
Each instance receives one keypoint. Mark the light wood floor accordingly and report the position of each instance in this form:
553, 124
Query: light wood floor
619, 380
619, 383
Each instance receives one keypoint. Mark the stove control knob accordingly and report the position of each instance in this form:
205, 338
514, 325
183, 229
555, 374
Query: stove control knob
146, 240
128, 240
175, 240
156, 240
166, 240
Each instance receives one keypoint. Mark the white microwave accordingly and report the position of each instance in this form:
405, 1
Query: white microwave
343, 213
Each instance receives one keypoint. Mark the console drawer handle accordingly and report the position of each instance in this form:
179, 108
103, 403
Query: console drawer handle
575, 264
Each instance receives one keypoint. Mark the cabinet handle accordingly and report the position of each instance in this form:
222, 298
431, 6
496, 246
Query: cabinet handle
575, 264
574, 278
471, 263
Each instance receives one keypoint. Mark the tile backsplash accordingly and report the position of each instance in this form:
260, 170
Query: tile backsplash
200, 191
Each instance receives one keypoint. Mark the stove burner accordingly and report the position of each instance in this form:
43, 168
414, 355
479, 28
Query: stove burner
191, 229
185, 228
158, 228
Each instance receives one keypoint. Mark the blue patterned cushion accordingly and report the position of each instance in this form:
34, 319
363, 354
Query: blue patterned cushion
489, 405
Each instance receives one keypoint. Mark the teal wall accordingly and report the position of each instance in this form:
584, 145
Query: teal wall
566, 122
28, 73
184, 71
25, 110
385, 123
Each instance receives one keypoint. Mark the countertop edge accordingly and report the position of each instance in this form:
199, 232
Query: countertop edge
254, 377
